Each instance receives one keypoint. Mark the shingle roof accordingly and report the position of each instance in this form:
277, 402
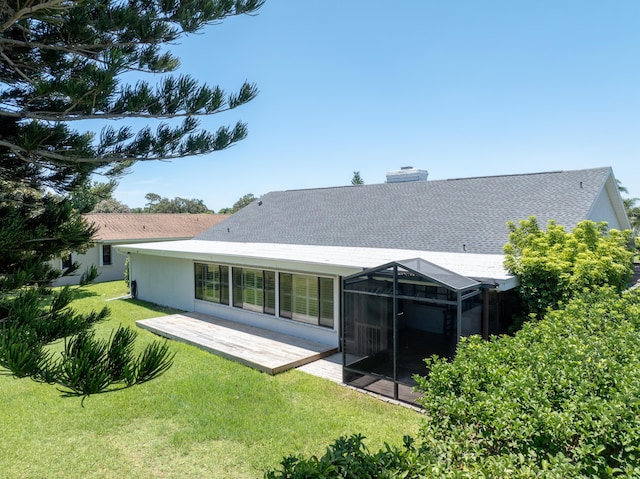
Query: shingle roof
467, 214
145, 226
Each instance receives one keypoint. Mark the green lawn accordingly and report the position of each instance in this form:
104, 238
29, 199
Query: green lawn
206, 417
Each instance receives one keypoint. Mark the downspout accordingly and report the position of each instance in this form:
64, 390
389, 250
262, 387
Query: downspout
131, 277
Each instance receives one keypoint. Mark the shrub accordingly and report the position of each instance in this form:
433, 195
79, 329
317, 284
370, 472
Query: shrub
348, 457
553, 265
561, 396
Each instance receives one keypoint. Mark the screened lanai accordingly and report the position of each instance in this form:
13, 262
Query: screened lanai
399, 313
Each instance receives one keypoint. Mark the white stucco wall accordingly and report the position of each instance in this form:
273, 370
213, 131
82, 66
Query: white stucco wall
603, 211
170, 282
164, 281
112, 272
609, 206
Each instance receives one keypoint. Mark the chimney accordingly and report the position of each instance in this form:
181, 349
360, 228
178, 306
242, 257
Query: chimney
405, 174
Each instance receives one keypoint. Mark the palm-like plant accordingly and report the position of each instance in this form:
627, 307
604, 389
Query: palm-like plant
633, 211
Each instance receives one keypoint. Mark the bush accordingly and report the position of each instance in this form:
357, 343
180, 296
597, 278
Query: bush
348, 457
553, 265
560, 397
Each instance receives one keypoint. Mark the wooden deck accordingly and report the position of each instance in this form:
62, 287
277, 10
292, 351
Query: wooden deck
328, 368
267, 351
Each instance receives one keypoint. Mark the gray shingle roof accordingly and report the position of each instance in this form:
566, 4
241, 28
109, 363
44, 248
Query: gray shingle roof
467, 214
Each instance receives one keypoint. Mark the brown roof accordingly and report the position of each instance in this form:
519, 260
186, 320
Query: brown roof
147, 226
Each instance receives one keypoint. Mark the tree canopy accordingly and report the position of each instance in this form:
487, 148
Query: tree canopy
111, 205
87, 196
158, 204
357, 179
62, 61
238, 205
554, 265
633, 212
62, 69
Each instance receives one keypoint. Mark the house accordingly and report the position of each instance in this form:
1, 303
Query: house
119, 228
390, 273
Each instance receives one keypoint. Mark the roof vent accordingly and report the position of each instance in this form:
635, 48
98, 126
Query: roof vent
407, 173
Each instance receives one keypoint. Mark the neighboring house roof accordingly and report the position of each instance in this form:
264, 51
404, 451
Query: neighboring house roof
146, 226
460, 215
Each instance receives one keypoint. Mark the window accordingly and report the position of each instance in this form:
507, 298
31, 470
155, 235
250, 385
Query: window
304, 298
106, 255
254, 289
270, 292
326, 302
307, 299
286, 295
224, 284
253, 297
212, 283
237, 287
66, 261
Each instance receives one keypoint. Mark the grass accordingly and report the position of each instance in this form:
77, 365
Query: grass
206, 417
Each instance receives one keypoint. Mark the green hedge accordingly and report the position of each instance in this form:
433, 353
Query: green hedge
562, 394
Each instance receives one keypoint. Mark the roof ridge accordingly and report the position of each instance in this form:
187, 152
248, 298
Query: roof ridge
551, 172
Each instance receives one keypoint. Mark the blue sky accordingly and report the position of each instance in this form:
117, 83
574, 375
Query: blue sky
459, 87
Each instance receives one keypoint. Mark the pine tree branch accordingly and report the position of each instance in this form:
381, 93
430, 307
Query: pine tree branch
27, 12
88, 49
15, 67
62, 116
83, 50
48, 156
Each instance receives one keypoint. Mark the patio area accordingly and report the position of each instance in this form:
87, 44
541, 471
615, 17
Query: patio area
264, 350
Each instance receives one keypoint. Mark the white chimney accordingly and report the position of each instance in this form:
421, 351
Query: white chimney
407, 173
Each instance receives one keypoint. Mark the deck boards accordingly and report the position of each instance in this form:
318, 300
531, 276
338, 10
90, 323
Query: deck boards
267, 351
328, 368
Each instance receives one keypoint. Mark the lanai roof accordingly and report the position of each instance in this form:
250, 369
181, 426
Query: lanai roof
458, 215
419, 267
